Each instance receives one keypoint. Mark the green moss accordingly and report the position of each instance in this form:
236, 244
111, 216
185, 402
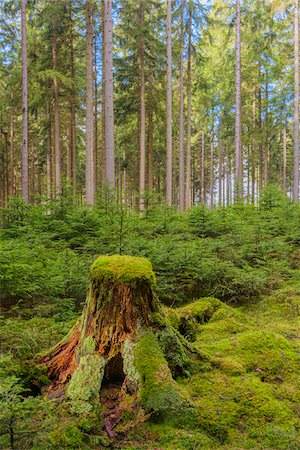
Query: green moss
159, 392
88, 346
128, 365
123, 270
85, 383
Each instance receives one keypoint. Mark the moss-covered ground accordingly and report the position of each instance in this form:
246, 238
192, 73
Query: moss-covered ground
248, 394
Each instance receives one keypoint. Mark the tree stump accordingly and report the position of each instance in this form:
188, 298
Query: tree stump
122, 336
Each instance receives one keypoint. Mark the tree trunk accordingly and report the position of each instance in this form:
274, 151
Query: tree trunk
56, 110
169, 106
202, 196
181, 113
238, 173
89, 139
267, 150
103, 159
260, 152
284, 157
72, 150
150, 134
12, 154
24, 105
212, 159
296, 105
189, 115
142, 108
253, 149
220, 158
108, 97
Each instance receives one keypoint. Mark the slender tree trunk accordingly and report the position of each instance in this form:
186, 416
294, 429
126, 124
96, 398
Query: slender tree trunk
72, 155
202, 196
253, 148
238, 172
296, 104
24, 105
150, 134
96, 157
181, 113
212, 160
56, 109
12, 154
109, 100
267, 150
89, 139
48, 155
103, 171
32, 171
220, 157
284, 157
169, 106
142, 108
260, 149
212, 171
189, 114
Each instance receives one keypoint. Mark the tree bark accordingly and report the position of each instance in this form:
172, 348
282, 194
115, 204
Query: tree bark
89, 139
24, 105
169, 106
296, 103
181, 113
284, 157
220, 158
238, 173
72, 144
56, 110
142, 108
202, 196
108, 97
12, 155
189, 114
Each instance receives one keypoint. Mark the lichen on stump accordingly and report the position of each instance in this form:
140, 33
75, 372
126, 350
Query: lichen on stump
121, 337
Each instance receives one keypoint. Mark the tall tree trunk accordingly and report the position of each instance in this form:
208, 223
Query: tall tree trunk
212, 159
103, 154
89, 139
24, 105
96, 158
12, 154
296, 105
253, 148
56, 109
238, 172
72, 150
260, 149
150, 134
48, 155
181, 113
189, 114
108, 97
284, 157
202, 195
267, 150
220, 157
169, 106
212, 171
142, 108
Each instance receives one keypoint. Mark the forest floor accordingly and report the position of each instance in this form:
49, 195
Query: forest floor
246, 392
247, 397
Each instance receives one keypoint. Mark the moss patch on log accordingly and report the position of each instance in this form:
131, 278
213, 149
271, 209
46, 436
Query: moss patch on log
159, 392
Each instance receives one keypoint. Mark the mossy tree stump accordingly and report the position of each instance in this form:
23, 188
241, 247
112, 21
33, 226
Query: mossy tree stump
121, 337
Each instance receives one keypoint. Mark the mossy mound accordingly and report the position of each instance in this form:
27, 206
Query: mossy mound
127, 270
